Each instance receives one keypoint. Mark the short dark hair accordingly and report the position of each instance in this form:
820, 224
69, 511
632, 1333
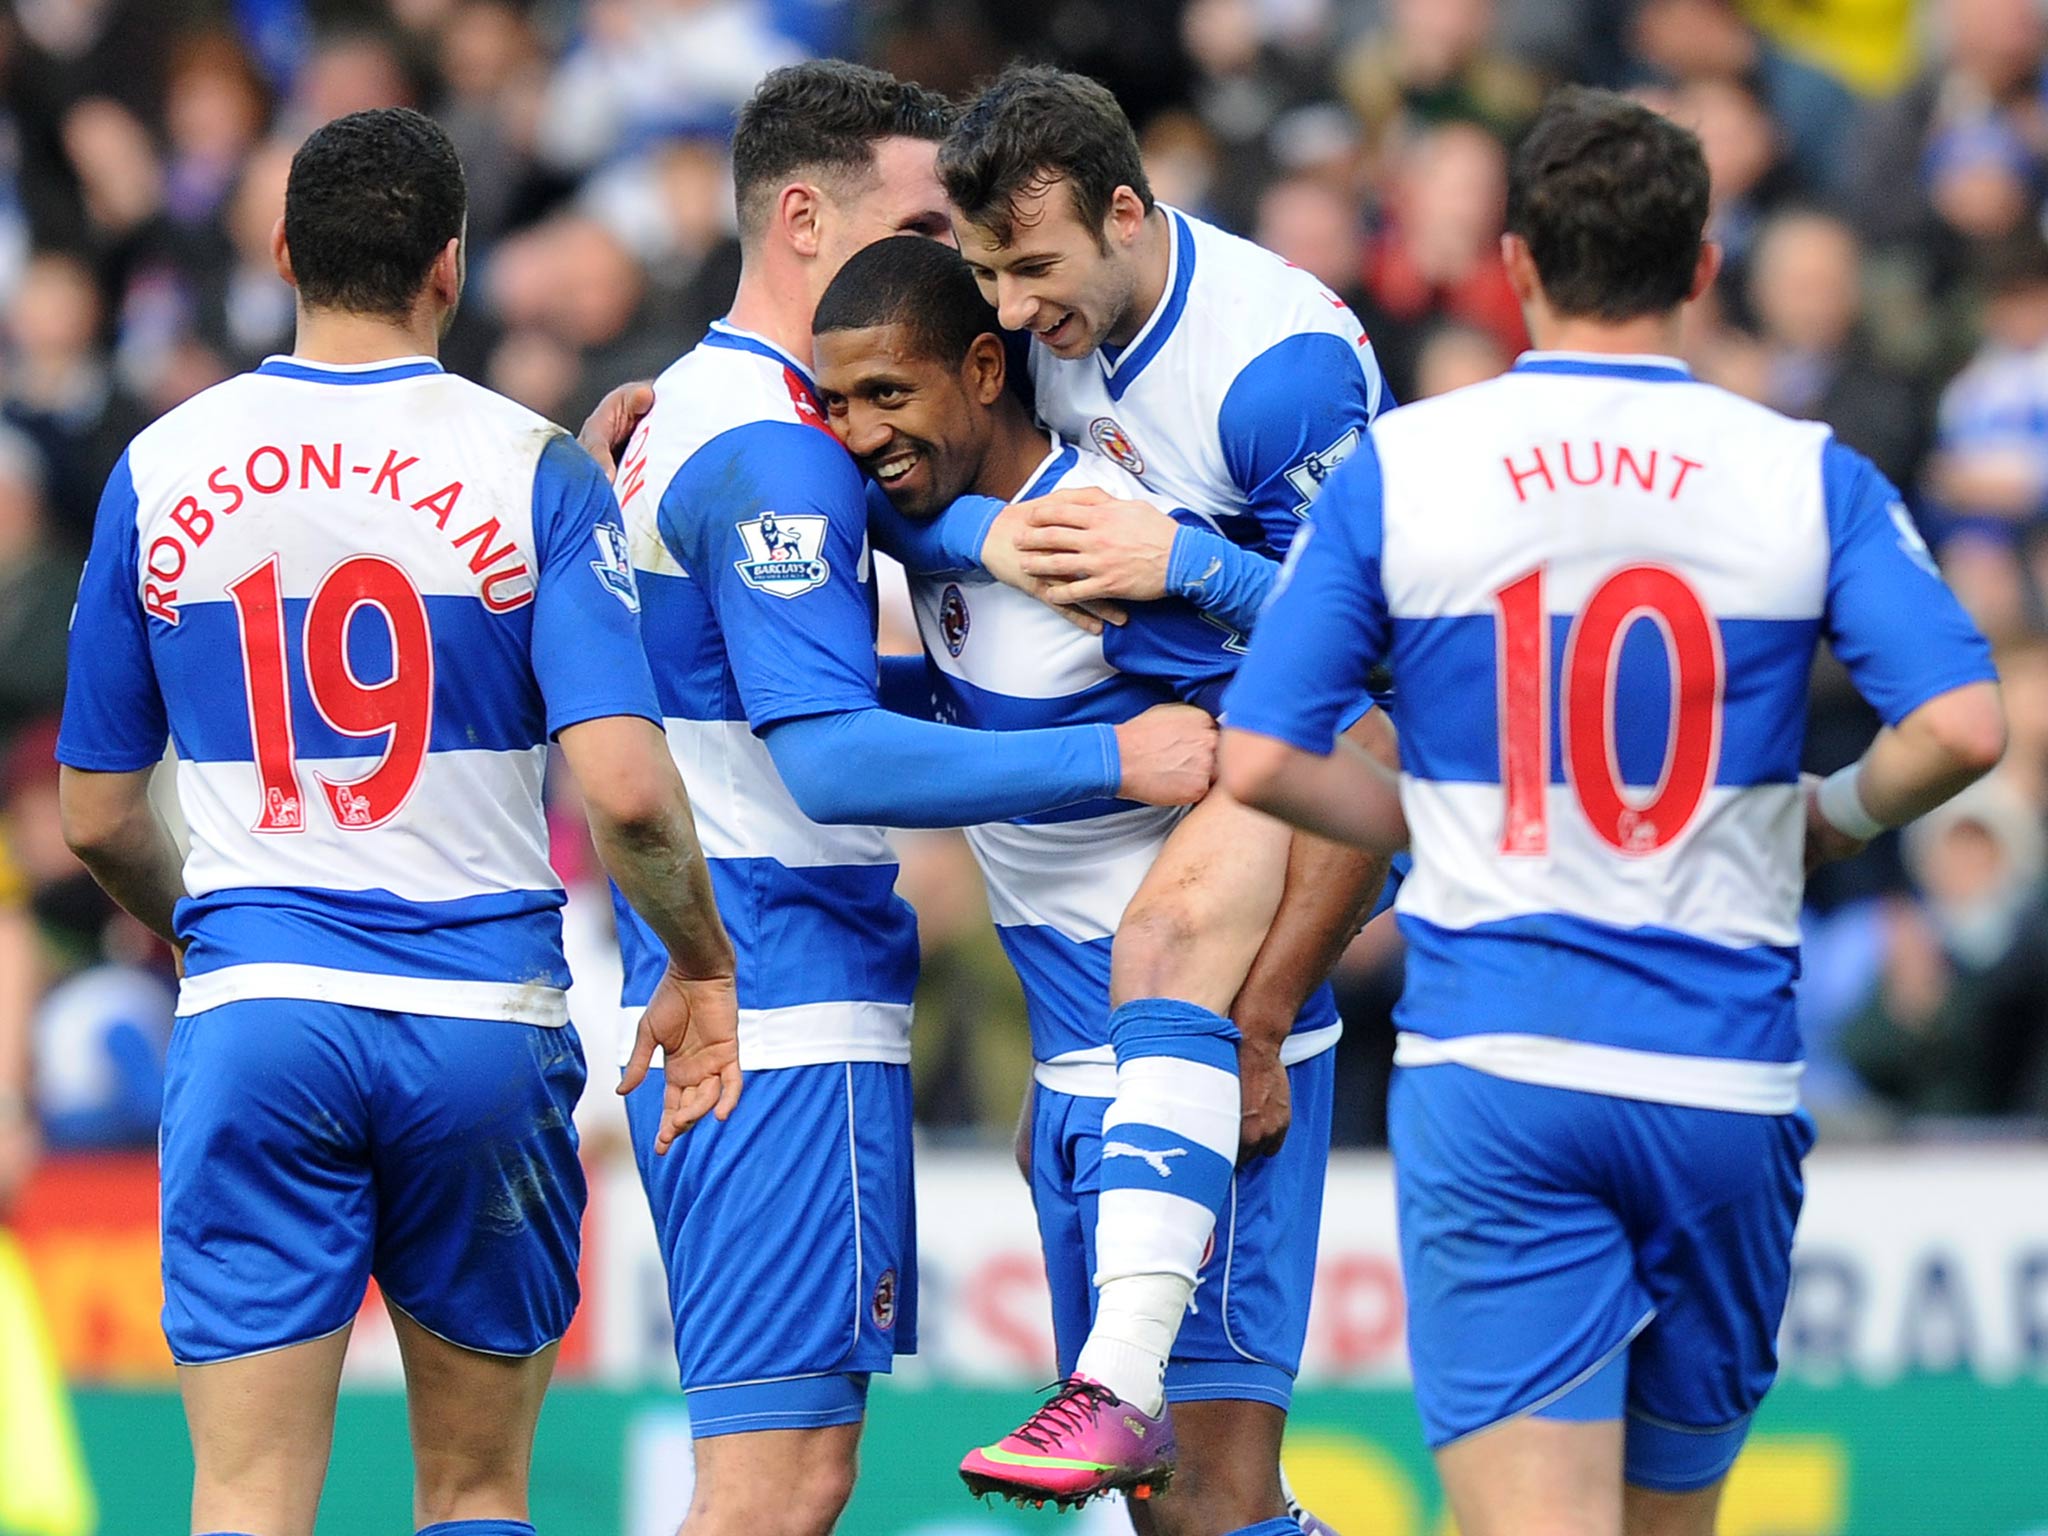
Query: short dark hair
914, 282
1032, 125
1612, 201
827, 115
371, 200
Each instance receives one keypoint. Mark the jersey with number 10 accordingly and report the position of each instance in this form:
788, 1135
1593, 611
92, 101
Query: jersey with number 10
359, 601
1600, 585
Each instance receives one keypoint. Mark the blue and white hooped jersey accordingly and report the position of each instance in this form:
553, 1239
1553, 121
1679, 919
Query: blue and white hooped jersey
747, 525
1605, 583
1058, 883
1249, 384
359, 601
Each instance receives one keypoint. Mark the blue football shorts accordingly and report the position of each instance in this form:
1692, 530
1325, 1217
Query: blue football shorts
306, 1147
1580, 1256
789, 1233
1243, 1335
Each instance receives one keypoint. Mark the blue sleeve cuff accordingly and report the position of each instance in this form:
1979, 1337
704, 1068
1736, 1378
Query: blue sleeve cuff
932, 546
1218, 577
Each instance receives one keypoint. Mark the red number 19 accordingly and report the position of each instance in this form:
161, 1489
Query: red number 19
402, 705
1692, 648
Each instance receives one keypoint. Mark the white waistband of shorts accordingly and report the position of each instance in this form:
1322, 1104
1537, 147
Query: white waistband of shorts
806, 1034
1695, 1082
512, 1002
1091, 1074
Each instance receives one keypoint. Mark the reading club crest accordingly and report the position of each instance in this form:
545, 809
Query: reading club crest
883, 1308
953, 618
785, 555
1114, 441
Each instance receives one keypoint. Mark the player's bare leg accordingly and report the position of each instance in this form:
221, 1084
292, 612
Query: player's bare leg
472, 1418
1648, 1512
262, 1428
773, 1482
1536, 1477
1228, 1476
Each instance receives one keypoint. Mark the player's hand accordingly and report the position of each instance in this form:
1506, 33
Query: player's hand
1825, 842
1096, 548
608, 427
1001, 558
1268, 1106
1169, 755
696, 1024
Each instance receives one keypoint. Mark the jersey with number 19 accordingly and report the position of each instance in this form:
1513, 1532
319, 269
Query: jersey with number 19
1601, 584
359, 601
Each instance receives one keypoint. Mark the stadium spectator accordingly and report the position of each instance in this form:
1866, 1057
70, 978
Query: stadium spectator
1805, 290
36, 582
1439, 256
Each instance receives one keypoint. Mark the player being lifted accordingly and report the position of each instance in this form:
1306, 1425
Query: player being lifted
748, 525
1230, 384
1608, 582
911, 368
362, 596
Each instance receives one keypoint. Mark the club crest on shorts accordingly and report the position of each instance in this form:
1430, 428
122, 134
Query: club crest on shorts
884, 1307
614, 567
954, 619
1116, 442
785, 555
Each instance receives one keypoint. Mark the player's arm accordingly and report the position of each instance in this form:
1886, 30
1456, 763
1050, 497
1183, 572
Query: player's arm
802, 651
1293, 415
110, 825
1306, 671
601, 709
115, 727
1931, 681
1331, 890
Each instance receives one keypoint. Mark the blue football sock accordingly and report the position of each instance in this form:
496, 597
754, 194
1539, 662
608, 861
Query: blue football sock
478, 1528
1280, 1525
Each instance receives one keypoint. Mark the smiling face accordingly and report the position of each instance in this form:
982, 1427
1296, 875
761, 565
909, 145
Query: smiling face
1071, 286
919, 426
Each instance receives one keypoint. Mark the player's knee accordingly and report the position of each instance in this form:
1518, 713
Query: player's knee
1155, 946
805, 1501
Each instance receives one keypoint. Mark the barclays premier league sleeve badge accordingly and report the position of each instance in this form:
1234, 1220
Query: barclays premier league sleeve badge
785, 555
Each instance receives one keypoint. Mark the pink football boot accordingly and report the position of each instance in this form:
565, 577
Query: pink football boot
1084, 1442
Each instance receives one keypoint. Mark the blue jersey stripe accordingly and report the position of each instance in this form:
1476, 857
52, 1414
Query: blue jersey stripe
1121, 373
692, 679
1645, 989
831, 933
1112, 701
1066, 990
510, 936
1447, 703
485, 696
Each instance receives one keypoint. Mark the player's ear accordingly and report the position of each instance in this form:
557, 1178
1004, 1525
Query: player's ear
445, 275
1126, 216
1705, 270
1521, 265
281, 254
985, 368
800, 209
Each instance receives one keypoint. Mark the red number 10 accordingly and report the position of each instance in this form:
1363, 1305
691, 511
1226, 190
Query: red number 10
1692, 648
402, 705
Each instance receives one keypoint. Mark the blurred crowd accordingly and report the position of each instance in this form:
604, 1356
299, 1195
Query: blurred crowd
1880, 169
